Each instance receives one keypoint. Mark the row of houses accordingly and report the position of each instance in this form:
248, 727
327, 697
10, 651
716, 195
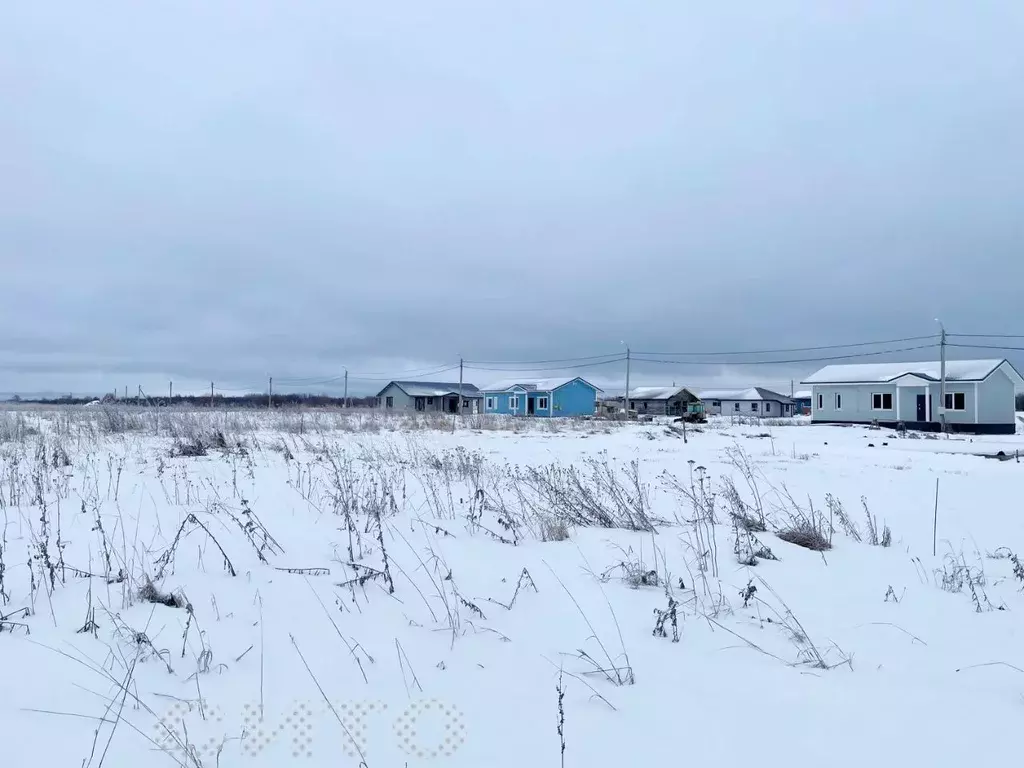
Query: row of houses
576, 396
571, 396
979, 397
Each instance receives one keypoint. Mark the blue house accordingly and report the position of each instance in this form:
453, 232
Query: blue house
550, 398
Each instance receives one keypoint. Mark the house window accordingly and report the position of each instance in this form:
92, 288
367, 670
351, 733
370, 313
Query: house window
513, 402
716, 403
542, 403
735, 406
821, 402
490, 403
767, 407
389, 403
753, 407
839, 402
956, 401
430, 401
465, 403
881, 401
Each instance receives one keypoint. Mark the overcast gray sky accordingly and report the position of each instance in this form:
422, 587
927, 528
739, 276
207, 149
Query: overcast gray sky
197, 190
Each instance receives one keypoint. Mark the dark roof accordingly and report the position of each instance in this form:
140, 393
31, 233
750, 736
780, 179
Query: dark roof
432, 388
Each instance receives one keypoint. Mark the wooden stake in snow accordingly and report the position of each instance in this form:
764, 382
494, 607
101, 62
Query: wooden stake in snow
935, 520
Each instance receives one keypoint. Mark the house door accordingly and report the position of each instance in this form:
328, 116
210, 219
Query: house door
922, 408
531, 406
419, 403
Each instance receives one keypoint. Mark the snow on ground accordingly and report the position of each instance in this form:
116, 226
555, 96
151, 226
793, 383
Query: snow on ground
327, 591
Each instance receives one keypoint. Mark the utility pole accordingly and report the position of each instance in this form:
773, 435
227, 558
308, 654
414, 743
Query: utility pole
942, 375
627, 384
170, 390
270, 393
460, 385
125, 391
211, 394
791, 390
346, 389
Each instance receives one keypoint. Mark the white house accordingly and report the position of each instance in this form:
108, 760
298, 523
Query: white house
755, 401
979, 395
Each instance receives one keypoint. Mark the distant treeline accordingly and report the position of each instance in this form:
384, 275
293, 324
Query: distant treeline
205, 401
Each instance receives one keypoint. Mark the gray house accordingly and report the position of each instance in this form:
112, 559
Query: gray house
756, 402
442, 397
661, 401
979, 395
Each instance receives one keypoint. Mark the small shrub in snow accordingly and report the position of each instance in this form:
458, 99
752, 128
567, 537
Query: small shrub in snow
560, 689
189, 448
809, 654
597, 495
807, 529
1003, 553
668, 616
874, 539
743, 548
748, 548
747, 593
150, 593
633, 571
1018, 569
552, 529
740, 512
635, 575
806, 537
838, 513
956, 576
525, 581
697, 491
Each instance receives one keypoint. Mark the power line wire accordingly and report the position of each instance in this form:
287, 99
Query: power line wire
259, 388
795, 349
403, 378
410, 372
987, 346
785, 363
542, 362
398, 377
984, 336
307, 383
619, 359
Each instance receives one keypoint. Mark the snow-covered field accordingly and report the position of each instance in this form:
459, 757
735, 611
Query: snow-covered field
324, 589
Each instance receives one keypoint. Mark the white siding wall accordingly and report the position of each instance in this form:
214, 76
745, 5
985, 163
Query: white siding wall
401, 400
996, 400
769, 409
